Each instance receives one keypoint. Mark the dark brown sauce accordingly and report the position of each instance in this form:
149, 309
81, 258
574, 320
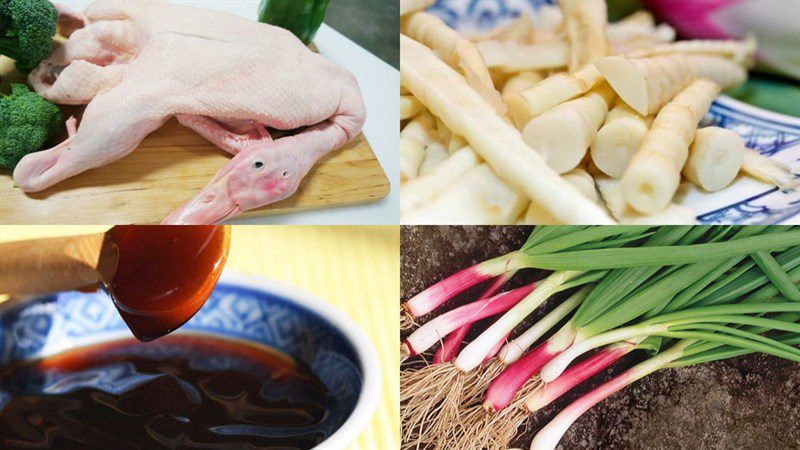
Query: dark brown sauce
183, 391
164, 274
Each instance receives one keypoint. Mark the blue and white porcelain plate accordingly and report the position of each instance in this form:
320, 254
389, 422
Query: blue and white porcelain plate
248, 309
746, 201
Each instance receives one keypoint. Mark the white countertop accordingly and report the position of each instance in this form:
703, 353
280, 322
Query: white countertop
379, 84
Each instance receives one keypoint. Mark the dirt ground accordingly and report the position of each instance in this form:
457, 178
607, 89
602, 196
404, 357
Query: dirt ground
750, 402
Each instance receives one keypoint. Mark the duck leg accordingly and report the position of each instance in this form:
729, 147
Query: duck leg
218, 134
107, 133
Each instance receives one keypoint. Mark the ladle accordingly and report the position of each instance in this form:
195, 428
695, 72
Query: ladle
157, 276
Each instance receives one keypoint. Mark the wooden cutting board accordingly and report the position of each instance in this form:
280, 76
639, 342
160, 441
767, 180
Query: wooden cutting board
169, 168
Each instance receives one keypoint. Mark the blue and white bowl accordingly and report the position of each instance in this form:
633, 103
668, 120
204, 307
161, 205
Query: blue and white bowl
746, 201
241, 307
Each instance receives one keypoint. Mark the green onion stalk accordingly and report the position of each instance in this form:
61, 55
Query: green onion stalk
429, 334
607, 309
558, 384
452, 385
790, 270
623, 275
695, 349
452, 344
542, 241
684, 324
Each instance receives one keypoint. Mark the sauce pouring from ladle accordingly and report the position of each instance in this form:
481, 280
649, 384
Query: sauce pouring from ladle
157, 276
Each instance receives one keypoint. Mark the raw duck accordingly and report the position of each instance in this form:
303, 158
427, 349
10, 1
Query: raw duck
136, 64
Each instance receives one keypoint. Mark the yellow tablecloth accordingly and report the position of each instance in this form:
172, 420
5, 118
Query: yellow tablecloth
355, 268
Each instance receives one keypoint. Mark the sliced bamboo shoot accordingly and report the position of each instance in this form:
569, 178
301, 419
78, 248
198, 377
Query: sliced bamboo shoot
409, 107
583, 182
413, 138
478, 197
520, 82
550, 92
563, 134
726, 73
421, 128
618, 139
447, 95
424, 189
456, 142
647, 84
611, 191
456, 51
639, 39
536, 215
435, 154
510, 57
548, 17
740, 52
640, 17
653, 175
770, 171
620, 33
412, 154
715, 158
586, 27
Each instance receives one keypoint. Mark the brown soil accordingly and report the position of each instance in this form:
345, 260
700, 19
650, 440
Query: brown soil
750, 402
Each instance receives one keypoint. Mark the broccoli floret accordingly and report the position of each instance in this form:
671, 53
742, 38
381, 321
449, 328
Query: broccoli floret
27, 28
27, 123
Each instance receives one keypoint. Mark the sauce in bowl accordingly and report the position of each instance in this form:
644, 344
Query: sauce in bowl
188, 391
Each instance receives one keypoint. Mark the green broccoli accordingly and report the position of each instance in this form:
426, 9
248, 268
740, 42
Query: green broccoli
27, 123
27, 28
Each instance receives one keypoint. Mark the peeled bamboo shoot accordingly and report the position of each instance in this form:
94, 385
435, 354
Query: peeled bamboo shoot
579, 178
478, 197
586, 27
564, 134
618, 139
425, 188
726, 73
456, 51
520, 82
583, 182
715, 158
653, 175
510, 57
447, 95
770, 171
611, 191
740, 52
647, 84
409, 107
413, 139
550, 92
435, 154
639, 39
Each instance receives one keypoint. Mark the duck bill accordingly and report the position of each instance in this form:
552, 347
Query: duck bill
212, 205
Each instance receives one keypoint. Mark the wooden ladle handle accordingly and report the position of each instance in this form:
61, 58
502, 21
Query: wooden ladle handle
42, 266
